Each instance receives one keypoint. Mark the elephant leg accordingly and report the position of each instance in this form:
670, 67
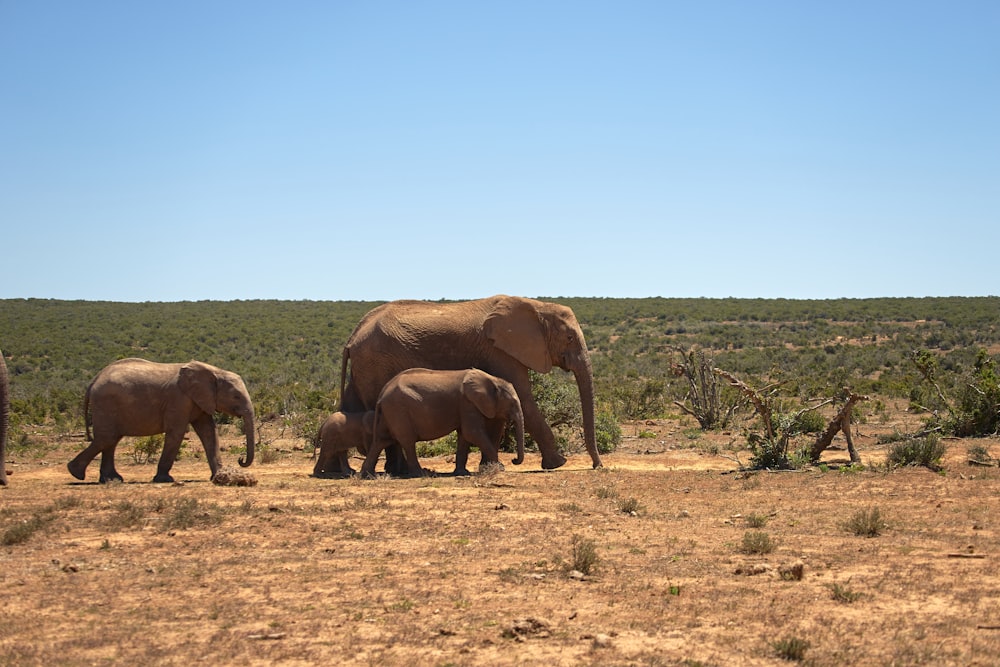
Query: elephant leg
371, 458
395, 461
461, 457
78, 466
333, 466
171, 447
413, 462
480, 435
345, 464
535, 424
496, 429
204, 428
108, 472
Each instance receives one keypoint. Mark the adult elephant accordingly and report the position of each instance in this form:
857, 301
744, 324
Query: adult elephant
503, 335
140, 397
4, 419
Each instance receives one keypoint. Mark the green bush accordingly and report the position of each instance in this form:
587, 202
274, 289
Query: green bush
146, 448
926, 451
585, 557
866, 523
756, 542
977, 408
607, 431
791, 648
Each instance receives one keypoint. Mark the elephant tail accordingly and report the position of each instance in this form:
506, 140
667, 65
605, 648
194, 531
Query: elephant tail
87, 422
344, 358
318, 438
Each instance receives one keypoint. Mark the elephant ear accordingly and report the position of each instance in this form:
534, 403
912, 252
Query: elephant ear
516, 328
481, 391
197, 380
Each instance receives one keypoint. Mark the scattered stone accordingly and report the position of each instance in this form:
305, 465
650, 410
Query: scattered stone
577, 575
751, 569
228, 476
602, 641
70, 567
522, 628
792, 571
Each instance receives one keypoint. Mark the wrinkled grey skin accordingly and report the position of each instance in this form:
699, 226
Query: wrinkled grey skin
4, 418
136, 397
337, 436
420, 404
502, 335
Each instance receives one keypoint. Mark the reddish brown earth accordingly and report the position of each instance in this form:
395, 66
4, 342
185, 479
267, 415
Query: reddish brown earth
477, 571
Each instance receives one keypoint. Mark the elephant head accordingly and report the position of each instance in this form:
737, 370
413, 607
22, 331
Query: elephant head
541, 335
216, 390
496, 398
4, 419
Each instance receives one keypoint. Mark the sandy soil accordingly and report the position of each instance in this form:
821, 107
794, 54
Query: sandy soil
479, 571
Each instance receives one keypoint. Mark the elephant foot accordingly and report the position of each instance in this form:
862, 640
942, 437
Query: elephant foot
77, 470
554, 462
333, 474
163, 478
461, 472
108, 478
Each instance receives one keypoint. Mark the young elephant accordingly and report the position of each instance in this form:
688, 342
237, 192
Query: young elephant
339, 433
139, 397
420, 404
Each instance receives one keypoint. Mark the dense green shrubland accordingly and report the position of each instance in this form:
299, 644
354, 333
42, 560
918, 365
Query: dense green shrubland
289, 352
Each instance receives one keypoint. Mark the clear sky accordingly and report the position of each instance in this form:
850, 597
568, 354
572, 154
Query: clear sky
189, 150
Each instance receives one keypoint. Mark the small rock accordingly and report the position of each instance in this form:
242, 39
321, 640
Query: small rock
751, 569
576, 574
791, 571
602, 641
522, 628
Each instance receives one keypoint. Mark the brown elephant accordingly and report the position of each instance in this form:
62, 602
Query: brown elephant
422, 404
502, 335
139, 397
341, 432
4, 419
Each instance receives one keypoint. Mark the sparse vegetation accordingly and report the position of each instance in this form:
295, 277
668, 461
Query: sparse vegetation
925, 451
585, 557
867, 523
756, 542
628, 506
841, 593
23, 530
791, 648
449, 562
146, 449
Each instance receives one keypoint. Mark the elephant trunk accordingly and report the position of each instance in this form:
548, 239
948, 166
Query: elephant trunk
248, 430
585, 382
518, 418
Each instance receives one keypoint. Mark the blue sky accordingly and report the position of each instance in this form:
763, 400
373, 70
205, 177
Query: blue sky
379, 150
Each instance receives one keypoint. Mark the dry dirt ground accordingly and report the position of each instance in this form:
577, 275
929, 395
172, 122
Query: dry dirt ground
478, 571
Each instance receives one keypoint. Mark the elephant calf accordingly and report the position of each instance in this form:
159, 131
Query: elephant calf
420, 404
139, 397
339, 433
